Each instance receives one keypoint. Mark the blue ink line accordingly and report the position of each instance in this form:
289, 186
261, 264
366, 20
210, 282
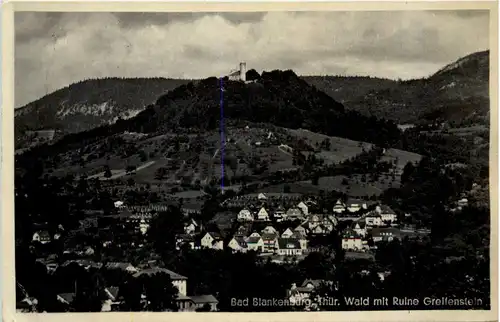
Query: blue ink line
222, 141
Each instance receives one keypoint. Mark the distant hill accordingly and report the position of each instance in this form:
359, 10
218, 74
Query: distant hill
458, 93
279, 98
90, 103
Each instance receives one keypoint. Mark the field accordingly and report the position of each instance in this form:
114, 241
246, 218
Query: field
193, 159
340, 150
400, 157
355, 186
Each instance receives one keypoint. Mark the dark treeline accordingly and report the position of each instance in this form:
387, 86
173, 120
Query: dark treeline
278, 97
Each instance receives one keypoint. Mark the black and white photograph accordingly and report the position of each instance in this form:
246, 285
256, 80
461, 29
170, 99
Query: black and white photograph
265, 161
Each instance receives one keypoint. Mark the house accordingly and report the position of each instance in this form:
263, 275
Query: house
119, 204
289, 247
386, 213
269, 230
183, 239
351, 240
462, 202
301, 238
373, 219
339, 207
385, 234
27, 305
255, 243
355, 205
127, 267
254, 234
111, 300
179, 281
319, 230
245, 215
143, 226
238, 244
66, 298
287, 233
263, 215
243, 230
42, 237
301, 230
294, 213
212, 240
191, 227
313, 221
204, 301
304, 291
279, 214
359, 227
270, 242
302, 206
261, 196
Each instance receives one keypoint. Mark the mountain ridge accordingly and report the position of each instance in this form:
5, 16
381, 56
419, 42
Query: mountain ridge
457, 92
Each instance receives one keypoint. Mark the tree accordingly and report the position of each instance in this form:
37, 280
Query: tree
107, 172
252, 74
163, 229
408, 171
143, 156
131, 292
161, 173
160, 292
130, 169
315, 179
88, 297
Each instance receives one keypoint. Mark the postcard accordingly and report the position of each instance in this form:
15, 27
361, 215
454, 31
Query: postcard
253, 161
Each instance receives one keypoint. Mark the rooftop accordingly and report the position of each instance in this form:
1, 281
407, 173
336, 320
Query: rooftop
159, 270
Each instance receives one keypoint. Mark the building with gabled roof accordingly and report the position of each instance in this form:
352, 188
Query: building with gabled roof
238, 244
245, 215
294, 213
287, 233
305, 209
212, 240
351, 240
384, 234
289, 247
179, 281
339, 207
255, 243
263, 214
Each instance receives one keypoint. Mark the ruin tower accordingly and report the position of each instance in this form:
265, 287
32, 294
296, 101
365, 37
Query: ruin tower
243, 71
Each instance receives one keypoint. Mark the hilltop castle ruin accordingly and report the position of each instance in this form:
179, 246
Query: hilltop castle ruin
239, 75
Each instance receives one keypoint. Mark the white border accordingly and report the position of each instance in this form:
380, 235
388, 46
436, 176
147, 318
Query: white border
7, 175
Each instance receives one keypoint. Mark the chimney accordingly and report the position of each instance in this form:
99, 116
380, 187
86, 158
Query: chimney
378, 209
243, 71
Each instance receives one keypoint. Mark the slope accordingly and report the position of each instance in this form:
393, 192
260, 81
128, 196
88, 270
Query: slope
278, 97
457, 94
90, 103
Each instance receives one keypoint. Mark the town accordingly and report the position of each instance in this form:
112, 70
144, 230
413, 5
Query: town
266, 176
283, 228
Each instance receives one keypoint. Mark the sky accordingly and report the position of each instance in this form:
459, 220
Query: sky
53, 50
